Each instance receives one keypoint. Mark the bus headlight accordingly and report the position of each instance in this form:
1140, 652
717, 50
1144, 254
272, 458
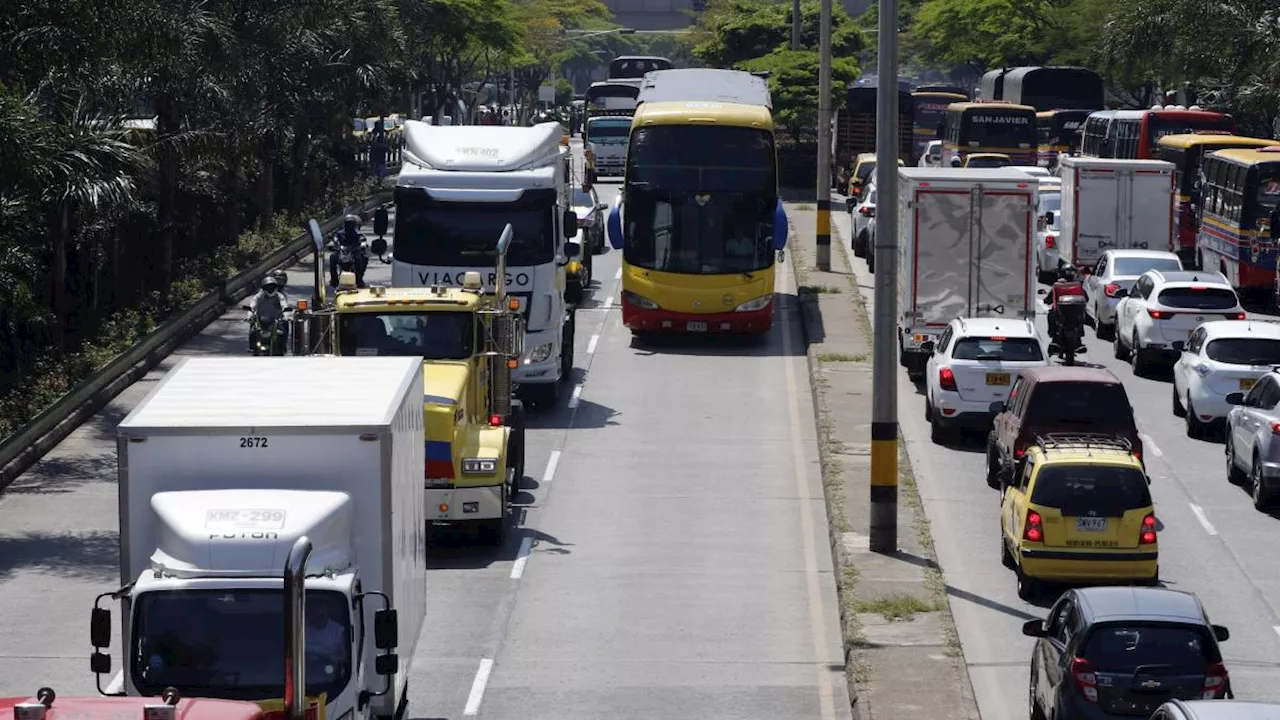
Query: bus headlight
641, 302
759, 303
541, 353
479, 466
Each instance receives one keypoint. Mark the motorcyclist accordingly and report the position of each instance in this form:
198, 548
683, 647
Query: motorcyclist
956, 161
1065, 286
349, 236
268, 307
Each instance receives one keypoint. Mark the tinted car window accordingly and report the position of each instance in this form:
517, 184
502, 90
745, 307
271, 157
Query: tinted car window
1122, 648
1077, 489
1087, 404
1139, 265
1198, 298
1244, 351
1007, 349
865, 169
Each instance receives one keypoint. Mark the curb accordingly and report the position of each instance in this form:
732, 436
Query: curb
42, 433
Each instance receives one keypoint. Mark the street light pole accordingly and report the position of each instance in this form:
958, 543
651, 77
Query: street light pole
824, 139
884, 397
795, 24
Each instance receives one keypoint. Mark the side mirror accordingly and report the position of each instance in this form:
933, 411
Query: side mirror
1235, 398
613, 228
386, 629
1179, 345
378, 246
572, 250
100, 628
780, 227
928, 346
1042, 291
996, 407
602, 206
386, 664
1121, 293
850, 205
1048, 217
1221, 633
99, 663
570, 224
380, 220
1033, 628
317, 237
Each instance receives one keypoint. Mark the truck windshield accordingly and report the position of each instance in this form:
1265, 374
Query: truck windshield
230, 643
465, 234
434, 335
608, 131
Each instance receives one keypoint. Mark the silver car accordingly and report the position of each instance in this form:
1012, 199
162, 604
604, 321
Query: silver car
1252, 447
1116, 270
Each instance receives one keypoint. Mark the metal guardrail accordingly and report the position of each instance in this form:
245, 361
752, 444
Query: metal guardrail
30, 443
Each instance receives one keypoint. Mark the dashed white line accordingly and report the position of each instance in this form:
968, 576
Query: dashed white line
550, 474
522, 558
618, 275
1276, 628
477, 687
591, 346
1204, 519
1150, 445
576, 397
607, 302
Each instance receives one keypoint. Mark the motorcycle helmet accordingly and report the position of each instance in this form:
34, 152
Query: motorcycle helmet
270, 285
351, 222
1069, 273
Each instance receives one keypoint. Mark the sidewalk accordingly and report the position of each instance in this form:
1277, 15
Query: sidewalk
901, 648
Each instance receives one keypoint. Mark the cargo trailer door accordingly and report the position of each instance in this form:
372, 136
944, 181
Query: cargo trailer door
943, 229
999, 259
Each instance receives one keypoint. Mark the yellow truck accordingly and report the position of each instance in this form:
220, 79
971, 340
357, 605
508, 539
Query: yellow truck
469, 341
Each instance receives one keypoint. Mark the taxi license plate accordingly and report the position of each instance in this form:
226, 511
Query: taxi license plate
997, 378
1091, 524
696, 326
1247, 384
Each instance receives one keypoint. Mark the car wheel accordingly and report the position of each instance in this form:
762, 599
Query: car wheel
1178, 409
1195, 428
993, 465
1029, 588
1036, 712
1261, 493
1118, 347
938, 433
928, 410
1137, 358
1006, 557
1234, 475
1103, 331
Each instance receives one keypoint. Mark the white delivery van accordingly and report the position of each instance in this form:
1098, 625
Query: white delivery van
1115, 205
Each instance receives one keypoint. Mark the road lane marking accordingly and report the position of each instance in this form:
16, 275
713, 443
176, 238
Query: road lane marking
477, 687
618, 275
576, 397
817, 613
1276, 628
1150, 444
607, 302
522, 558
550, 474
591, 346
1204, 519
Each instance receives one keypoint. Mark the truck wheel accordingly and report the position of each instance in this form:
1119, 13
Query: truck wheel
573, 292
566, 347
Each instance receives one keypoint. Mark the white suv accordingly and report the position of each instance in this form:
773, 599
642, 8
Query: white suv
1119, 269
1222, 357
1157, 317
862, 218
972, 366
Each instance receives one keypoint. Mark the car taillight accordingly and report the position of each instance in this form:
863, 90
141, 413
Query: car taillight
1215, 681
1050, 242
1159, 314
1087, 681
1019, 451
1111, 289
1237, 316
1034, 530
1275, 428
1148, 536
867, 211
947, 379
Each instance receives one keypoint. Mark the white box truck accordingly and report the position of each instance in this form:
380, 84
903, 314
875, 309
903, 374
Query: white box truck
223, 467
966, 248
1115, 204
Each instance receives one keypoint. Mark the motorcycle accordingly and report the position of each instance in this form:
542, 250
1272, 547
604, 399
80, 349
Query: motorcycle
1069, 340
273, 341
348, 258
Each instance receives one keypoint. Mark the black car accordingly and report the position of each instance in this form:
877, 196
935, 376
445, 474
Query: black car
1105, 652
1216, 710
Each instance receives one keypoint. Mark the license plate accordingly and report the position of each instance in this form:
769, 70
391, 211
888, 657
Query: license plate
1247, 384
997, 378
696, 327
1089, 524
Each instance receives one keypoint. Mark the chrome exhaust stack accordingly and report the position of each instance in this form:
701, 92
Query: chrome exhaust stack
295, 629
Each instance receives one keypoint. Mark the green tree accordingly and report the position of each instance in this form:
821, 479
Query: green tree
793, 83
452, 39
983, 33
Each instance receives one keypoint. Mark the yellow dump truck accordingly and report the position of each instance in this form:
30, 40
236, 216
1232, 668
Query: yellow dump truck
469, 341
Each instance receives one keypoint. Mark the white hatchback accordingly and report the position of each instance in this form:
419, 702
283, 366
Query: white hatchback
1221, 357
1155, 319
1118, 269
973, 365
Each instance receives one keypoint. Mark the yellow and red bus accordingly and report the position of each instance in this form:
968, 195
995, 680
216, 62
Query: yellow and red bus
1187, 152
699, 219
1238, 202
1134, 134
990, 127
929, 116
1058, 132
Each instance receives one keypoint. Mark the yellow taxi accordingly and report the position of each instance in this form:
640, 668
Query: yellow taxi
987, 160
864, 168
1078, 509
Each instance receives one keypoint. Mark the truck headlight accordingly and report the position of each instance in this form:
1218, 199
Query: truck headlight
479, 466
541, 353
639, 301
759, 303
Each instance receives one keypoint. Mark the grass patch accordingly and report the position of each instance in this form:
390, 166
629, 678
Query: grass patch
842, 357
819, 290
804, 206
895, 607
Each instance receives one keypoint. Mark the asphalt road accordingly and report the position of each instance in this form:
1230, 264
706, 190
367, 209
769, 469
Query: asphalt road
1212, 541
672, 559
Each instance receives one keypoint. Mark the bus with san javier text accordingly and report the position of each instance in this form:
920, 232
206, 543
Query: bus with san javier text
1058, 133
929, 116
1133, 134
1186, 152
990, 127
1238, 201
699, 219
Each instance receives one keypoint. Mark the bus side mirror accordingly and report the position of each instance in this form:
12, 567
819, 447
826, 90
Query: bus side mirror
614, 227
386, 629
379, 248
780, 228
100, 628
380, 221
570, 224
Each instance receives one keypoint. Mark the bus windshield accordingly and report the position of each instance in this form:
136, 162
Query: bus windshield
433, 335
985, 128
459, 234
1159, 126
929, 116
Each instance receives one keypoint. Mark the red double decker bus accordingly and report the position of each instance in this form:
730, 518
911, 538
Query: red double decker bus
1135, 134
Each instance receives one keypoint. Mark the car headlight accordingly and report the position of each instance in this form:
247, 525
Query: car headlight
759, 303
540, 353
479, 466
639, 301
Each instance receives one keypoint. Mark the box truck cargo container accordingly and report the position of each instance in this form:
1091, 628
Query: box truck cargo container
1114, 205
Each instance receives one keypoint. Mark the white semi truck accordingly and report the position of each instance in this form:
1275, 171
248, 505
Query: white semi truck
223, 468
966, 247
457, 190
1115, 204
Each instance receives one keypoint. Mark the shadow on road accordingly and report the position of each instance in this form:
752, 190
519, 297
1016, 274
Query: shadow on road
88, 555
1044, 601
